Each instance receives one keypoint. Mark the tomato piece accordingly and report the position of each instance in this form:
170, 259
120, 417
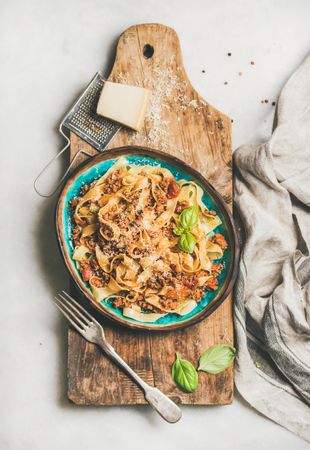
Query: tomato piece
173, 189
87, 273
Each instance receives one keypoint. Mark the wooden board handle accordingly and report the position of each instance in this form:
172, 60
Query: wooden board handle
153, 43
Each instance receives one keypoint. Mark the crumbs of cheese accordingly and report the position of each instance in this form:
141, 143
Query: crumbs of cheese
124, 104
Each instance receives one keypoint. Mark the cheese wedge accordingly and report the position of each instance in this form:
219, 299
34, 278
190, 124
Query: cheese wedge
124, 104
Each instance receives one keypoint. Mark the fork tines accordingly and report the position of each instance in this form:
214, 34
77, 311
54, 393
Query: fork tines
73, 311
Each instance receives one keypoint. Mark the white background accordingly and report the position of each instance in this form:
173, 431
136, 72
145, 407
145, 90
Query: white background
49, 51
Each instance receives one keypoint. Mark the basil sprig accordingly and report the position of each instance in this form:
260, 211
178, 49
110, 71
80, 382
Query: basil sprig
188, 220
184, 374
187, 242
178, 231
217, 358
214, 360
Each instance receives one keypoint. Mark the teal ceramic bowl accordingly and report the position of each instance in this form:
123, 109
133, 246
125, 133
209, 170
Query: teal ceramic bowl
95, 168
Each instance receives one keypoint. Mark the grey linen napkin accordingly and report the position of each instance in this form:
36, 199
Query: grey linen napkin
272, 293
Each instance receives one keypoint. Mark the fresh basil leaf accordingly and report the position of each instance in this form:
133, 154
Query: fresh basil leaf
217, 358
189, 217
187, 242
184, 374
178, 231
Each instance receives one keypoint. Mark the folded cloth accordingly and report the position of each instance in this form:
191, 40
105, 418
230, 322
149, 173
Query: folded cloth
272, 293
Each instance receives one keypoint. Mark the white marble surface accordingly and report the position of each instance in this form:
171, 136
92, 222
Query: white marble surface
49, 50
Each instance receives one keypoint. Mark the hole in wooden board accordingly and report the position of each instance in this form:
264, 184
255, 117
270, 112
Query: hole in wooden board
148, 51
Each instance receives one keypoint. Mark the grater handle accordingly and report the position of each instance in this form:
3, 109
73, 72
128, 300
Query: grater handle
50, 194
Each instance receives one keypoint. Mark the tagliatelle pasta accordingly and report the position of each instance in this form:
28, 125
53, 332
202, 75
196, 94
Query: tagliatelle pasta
146, 242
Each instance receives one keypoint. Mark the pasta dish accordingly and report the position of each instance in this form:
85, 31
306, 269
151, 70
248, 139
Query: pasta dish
145, 242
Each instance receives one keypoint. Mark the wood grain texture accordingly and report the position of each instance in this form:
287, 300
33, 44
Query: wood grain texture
181, 123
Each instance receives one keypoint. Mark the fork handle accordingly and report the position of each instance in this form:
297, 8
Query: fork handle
163, 405
159, 401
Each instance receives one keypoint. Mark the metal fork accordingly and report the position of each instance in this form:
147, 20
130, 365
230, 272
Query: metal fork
93, 332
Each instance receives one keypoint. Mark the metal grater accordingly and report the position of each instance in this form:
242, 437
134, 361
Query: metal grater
83, 120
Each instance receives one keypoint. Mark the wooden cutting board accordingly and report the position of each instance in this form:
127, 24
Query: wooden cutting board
181, 123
